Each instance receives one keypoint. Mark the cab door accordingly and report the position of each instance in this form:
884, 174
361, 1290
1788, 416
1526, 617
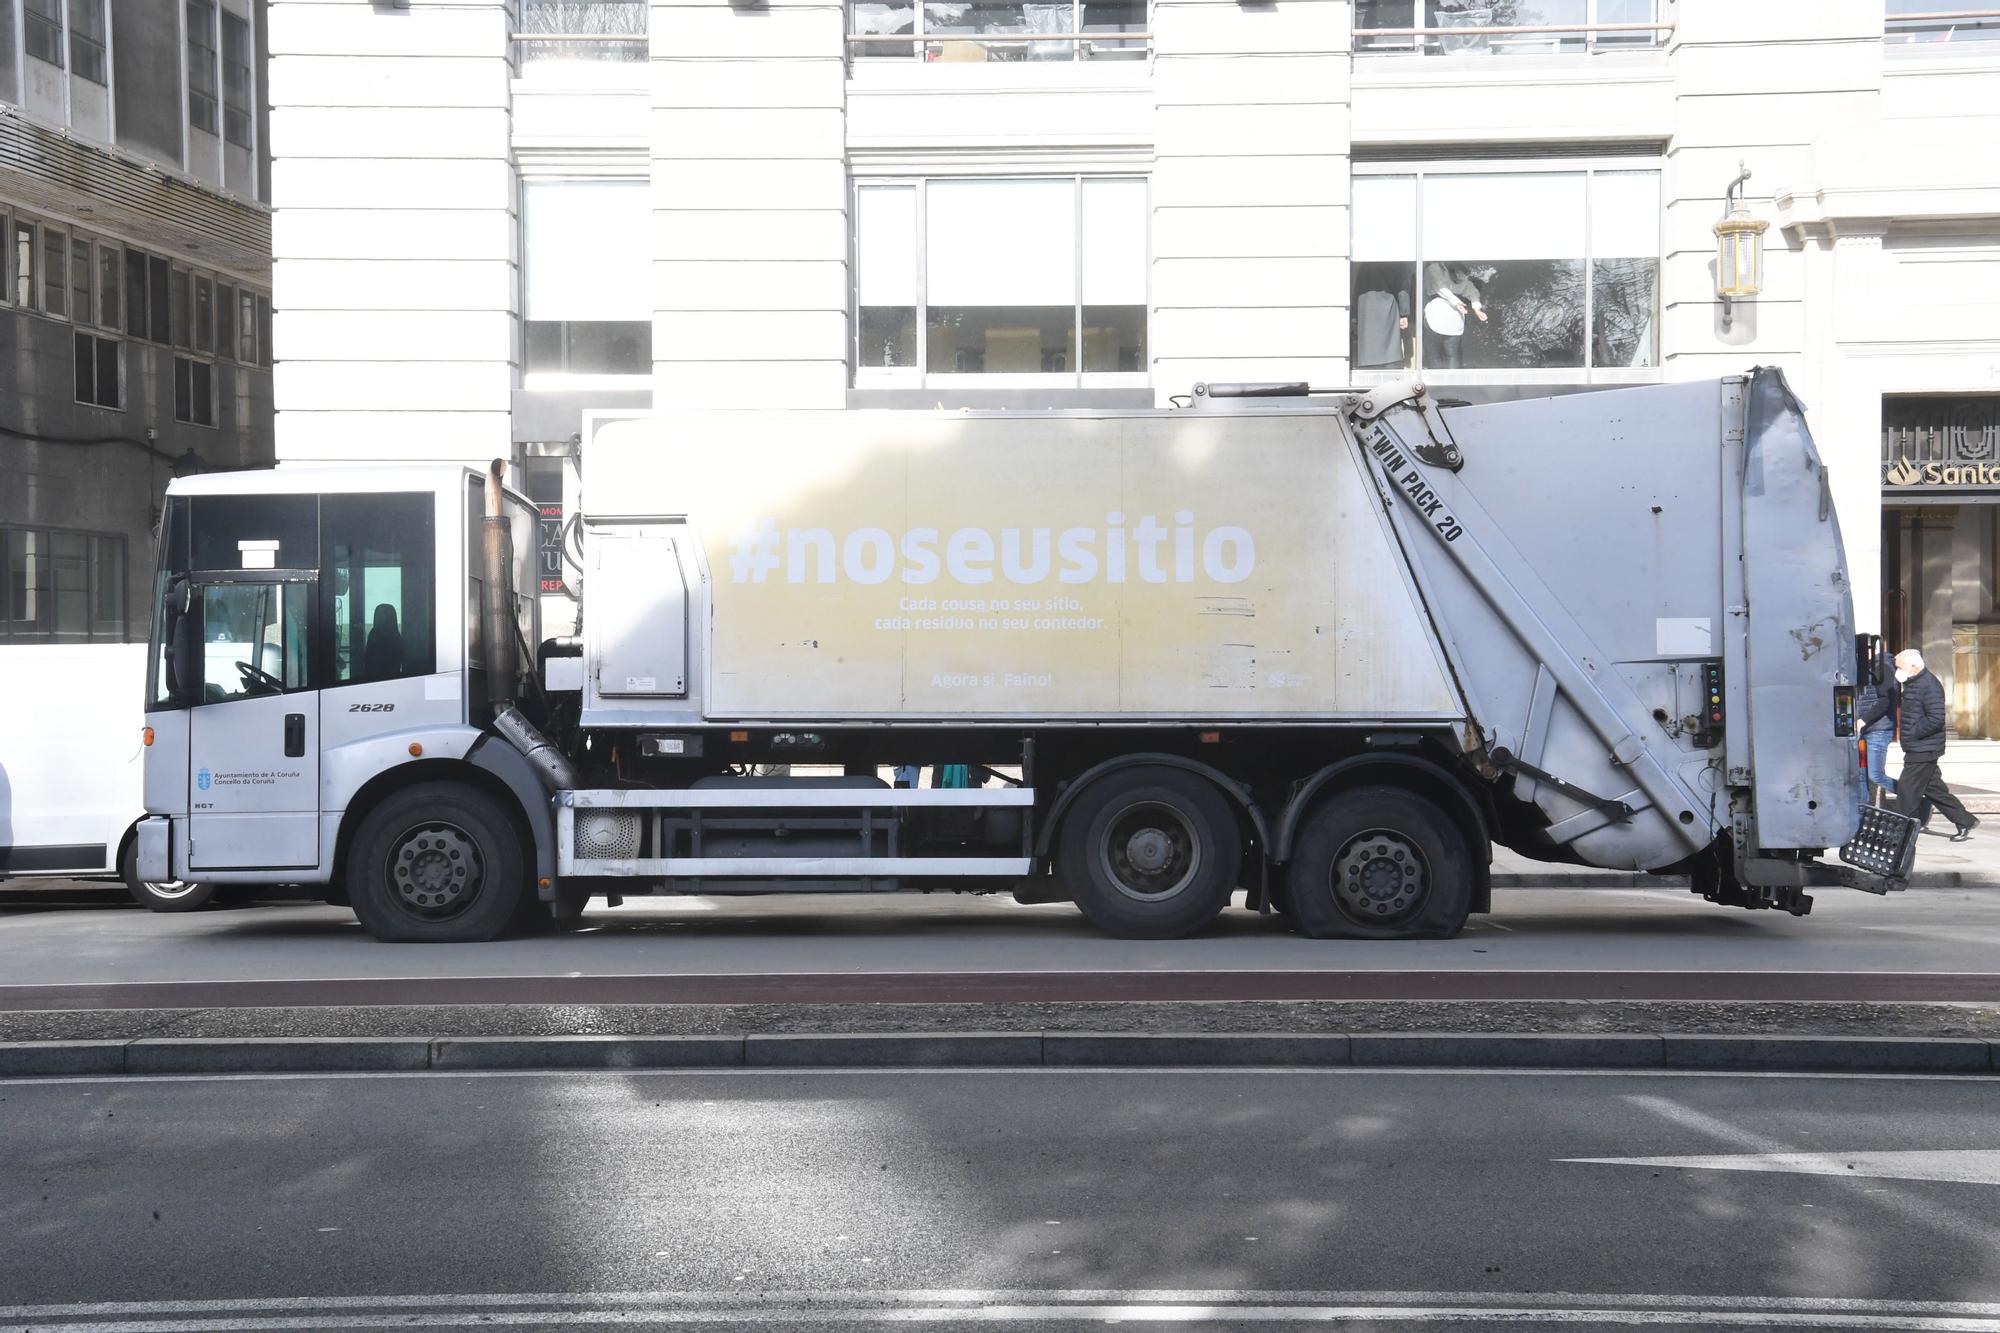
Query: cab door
253, 725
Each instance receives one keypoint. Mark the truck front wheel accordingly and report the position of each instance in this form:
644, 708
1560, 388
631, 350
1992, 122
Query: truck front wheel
177, 895
1150, 853
1377, 863
437, 863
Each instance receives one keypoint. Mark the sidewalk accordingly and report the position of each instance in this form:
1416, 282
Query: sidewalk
1941, 863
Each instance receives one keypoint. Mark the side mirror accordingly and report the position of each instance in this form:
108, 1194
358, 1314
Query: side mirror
183, 643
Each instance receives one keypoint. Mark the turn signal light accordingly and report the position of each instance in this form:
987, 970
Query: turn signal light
739, 737
415, 749
1211, 737
147, 734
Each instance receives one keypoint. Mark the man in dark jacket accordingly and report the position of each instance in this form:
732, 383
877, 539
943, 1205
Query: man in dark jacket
1923, 745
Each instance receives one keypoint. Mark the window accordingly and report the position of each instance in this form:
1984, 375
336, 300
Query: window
109, 274
178, 306
201, 64
263, 330
61, 586
1001, 278
21, 263
555, 32
236, 75
45, 30
246, 329
253, 639
1514, 272
225, 320
82, 275
204, 315
136, 325
1939, 24
86, 40
55, 271
1002, 30
1394, 26
194, 391
159, 310
588, 277
380, 582
98, 381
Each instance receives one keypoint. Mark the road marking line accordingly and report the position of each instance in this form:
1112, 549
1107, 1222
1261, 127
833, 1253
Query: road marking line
1972, 1166
1014, 1296
1045, 1316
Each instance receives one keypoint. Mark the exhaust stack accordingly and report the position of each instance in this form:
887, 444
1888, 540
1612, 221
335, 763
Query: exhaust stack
497, 611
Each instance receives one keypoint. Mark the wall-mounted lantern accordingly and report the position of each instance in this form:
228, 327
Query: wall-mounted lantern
1739, 249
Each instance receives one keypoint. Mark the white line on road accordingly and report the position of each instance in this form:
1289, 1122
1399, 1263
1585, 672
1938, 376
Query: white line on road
889, 1298
1044, 1316
1974, 1166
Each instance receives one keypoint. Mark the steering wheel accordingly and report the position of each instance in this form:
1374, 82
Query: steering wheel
256, 676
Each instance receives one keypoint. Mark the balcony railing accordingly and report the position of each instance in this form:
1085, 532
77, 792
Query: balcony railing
1909, 24
580, 30
1507, 27
998, 30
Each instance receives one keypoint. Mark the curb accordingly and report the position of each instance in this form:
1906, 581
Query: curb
1073, 1050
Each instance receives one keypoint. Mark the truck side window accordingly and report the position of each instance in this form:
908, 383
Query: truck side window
253, 639
380, 586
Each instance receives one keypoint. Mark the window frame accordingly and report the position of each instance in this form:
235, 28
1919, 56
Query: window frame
88, 50
919, 376
96, 341
96, 576
239, 93
50, 28
204, 100
191, 363
1586, 373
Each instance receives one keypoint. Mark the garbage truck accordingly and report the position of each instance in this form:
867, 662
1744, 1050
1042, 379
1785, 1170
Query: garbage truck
1325, 650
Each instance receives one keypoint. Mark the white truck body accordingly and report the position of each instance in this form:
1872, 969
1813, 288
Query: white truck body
1329, 649
71, 765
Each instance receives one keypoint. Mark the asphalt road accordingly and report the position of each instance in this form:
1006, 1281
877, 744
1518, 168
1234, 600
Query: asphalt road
1038, 1199
1926, 944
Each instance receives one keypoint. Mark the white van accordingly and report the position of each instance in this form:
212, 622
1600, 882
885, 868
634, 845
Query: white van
71, 768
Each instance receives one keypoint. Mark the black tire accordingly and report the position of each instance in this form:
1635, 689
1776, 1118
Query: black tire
1379, 863
1150, 853
170, 896
437, 863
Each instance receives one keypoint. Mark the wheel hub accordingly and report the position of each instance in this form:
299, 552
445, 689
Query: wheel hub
1381, 876
1150, 851
436, 869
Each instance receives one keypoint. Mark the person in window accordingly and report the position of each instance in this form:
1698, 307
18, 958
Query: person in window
382, 657
1381, 319
1453, 291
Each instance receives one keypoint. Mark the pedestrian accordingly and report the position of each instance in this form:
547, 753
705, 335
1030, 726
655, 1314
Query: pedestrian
1920, 783
1877, 706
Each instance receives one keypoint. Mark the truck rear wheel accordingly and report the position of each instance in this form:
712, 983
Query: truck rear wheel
1377, 863
1150, 853
437, 863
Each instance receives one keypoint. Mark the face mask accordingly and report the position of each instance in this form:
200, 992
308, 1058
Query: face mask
1902, 675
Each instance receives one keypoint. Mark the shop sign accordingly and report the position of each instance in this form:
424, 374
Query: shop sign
1906, 472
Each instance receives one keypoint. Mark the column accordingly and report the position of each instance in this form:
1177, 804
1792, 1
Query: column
750, 204
1936, 543
394, 230
1250, 192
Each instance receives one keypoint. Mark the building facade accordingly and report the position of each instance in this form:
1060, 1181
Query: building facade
491, 216
135, 313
